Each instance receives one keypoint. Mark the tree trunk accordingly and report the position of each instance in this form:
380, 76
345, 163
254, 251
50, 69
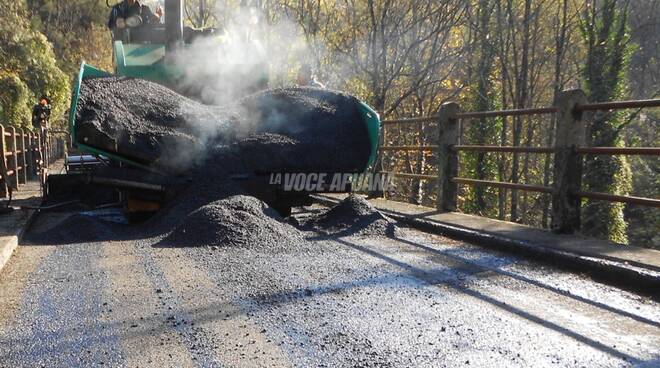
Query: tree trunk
522, 91
606, 60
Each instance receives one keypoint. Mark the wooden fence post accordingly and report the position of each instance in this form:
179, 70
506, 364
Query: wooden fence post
14, 158
40, 152
30, 155
22, 178
3, 163
35, 155
448, 136
46, 149
571, 130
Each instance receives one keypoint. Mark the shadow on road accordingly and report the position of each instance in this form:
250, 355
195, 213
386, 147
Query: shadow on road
437, 277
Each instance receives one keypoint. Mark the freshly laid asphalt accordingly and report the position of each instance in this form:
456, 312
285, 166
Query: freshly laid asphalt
414, 299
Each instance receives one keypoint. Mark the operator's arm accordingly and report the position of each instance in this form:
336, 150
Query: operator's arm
148, 17
114, 14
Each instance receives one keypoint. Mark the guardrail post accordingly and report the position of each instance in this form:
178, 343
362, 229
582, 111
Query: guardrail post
448, 136
39, 150
30, 154
14, 158
46, 151
35, 154
571, 130
3, 163
22, 178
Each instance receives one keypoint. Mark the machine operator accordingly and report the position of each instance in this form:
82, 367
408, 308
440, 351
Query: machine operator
130, 8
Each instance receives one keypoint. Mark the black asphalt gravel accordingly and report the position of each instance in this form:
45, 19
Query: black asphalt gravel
293, 129
235, 221
412, 299
352, 216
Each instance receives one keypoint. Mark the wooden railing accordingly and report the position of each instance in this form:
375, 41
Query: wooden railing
25, 155
569, 147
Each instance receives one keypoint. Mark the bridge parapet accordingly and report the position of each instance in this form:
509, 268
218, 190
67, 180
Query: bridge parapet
25, 155
571, 114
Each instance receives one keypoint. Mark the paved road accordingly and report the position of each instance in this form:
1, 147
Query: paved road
412, 300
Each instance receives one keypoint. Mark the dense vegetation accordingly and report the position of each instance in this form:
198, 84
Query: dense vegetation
406, 58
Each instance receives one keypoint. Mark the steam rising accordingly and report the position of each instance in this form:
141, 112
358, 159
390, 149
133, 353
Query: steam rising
241, 57
245, 56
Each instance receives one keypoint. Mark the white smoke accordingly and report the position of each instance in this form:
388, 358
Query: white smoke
245, 54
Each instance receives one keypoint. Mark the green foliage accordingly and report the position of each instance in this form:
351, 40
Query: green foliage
644, 222
14, 100
42, 75
77, 30
28, 58
481, 97
604, 29
607, 174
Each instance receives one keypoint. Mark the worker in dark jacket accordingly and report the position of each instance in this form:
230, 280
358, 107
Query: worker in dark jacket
129, 8
40, 118
41, 114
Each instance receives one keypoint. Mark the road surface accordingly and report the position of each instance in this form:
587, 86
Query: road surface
411, 300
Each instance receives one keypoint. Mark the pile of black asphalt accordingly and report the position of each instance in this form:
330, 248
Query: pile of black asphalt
352, 216
221, 213
245, 221
279, 130
237, 221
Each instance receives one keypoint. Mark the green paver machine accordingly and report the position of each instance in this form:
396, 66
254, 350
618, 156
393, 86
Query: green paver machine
148, 51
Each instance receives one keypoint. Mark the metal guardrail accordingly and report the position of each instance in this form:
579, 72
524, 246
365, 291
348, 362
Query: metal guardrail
408, 121
504, 149
651, 151
504, 113
476, 114
568, 151
25, 155
499, 184
409, 148
411, 176
618, 105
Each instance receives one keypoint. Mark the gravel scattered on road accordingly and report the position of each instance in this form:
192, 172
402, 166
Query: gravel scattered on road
238, 221
352, 216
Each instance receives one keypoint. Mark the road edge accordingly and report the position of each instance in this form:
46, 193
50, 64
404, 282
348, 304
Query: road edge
9, 243
616, 273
